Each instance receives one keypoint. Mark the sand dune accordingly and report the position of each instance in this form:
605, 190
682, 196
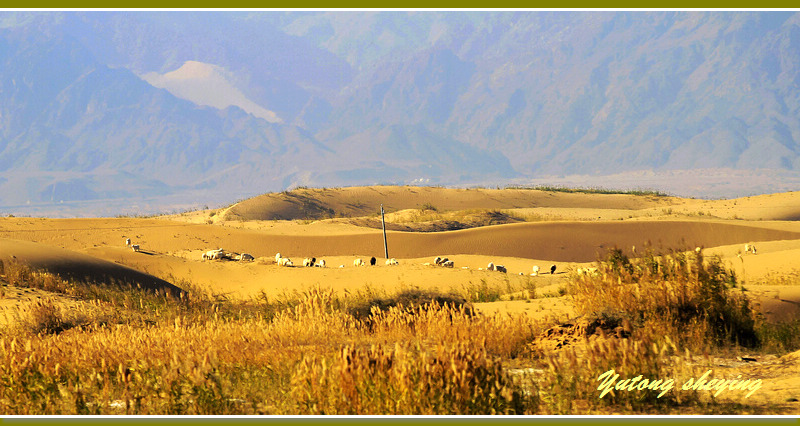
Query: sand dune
77, 266
175, 243
557, 241
782, 206
365, 201
575, 229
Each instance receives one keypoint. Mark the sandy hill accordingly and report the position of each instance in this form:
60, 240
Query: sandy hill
316, 203
587, 225
79, 267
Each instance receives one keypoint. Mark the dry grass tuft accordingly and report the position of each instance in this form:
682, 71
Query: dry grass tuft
682, 295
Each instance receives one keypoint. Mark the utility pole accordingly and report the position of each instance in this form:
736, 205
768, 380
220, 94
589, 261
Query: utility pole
385, 247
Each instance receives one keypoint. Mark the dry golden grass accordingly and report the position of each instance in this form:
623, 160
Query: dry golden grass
679, 294
129, 351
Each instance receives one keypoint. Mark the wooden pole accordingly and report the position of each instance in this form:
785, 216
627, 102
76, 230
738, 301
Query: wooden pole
383, 222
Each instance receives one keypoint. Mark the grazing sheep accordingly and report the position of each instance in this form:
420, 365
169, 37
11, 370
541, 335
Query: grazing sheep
213, 254
341, 266
135, 247
373, 261
358, 262
535, 270
391, 261
277, 257
440, 260
285, 261
753, 248
246, 257
448, 264
309, 262
552, 269
492, 267
320, 264
127, 242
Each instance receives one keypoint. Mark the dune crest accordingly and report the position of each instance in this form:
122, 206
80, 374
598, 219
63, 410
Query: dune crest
78, 266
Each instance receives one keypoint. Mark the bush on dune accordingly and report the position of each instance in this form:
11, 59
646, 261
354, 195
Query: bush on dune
679, 294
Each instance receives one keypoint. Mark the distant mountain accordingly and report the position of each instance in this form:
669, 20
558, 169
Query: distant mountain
206, 84
126, 105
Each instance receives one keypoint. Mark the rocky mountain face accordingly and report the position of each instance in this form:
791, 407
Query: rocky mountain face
122, 106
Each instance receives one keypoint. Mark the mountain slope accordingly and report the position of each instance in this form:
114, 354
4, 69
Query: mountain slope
270, 100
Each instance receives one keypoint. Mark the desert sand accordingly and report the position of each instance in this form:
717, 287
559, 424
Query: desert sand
568, 230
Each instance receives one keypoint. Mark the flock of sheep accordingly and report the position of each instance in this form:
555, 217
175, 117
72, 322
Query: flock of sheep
220, 254
313, 262
447, 263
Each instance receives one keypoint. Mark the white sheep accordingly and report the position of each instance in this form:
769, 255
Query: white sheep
535, 270
490, 267
309, 262
285, 261
391, 261
321, 263
213, 254
358, 262
448, 264
277, 257
127, 242
750, 248
246, 257
135, 247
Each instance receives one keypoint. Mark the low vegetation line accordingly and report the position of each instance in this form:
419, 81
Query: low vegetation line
592, 190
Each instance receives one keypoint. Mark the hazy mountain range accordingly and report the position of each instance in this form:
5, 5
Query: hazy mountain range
113, 108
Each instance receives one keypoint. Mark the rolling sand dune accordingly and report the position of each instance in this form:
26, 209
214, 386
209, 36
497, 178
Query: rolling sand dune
558, 241
575, 229
77, 266
365, 201
172, 245
783, 206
